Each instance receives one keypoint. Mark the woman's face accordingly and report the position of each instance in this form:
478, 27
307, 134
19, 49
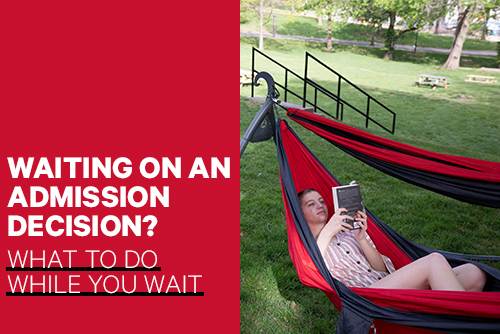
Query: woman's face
314, 208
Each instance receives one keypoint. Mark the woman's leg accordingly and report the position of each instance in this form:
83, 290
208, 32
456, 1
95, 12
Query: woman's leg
430, 272
470, 277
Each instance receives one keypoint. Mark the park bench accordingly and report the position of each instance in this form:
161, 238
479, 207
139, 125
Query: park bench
480, 79
432, 80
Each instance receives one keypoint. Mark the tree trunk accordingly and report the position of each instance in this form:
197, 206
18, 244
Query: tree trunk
320, 20
436, 30
484, 29
498, 54
261, 24
390, 36
329, 34
464, 15
372, 43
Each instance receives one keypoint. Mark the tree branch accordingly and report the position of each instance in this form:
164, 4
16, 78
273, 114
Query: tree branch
401, 32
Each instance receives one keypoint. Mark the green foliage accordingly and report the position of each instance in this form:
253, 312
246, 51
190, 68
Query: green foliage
322, 7
462, 120
305, 26
413, 14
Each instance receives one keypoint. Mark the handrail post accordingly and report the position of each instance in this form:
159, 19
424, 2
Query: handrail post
315, 98
253, 67
367, 112
305, 85
286, 84
338, 99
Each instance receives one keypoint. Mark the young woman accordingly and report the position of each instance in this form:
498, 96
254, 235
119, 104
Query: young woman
353, 259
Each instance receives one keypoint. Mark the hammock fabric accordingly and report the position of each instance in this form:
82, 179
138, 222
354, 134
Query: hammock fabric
469, 180
394, 311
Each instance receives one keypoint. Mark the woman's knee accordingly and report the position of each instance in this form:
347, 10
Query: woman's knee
477, 275
437, 258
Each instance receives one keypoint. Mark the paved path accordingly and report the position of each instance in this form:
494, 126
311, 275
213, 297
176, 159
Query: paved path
377, 45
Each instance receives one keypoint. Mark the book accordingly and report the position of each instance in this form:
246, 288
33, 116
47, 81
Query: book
349, 197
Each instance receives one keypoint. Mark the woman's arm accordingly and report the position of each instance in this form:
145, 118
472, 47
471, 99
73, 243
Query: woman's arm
373, 256
371, 253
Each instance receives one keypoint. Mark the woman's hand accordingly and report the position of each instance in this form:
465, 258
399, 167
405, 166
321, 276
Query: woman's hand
333, 226
362, 222
336, 223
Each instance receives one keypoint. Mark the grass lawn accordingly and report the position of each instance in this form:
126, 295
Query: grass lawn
461, 120
306, 26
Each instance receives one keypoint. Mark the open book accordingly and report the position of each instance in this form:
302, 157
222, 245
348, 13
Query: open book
349, 197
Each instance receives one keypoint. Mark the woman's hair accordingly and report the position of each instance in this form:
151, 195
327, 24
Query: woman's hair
305, 191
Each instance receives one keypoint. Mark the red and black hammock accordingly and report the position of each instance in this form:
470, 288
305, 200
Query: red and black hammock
469, 180
392, 311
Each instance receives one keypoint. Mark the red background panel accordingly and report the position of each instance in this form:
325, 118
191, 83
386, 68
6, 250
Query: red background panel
136, 80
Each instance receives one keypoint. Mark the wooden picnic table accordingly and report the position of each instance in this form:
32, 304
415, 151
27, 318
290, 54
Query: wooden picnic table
432, 80
481, 79
245, 77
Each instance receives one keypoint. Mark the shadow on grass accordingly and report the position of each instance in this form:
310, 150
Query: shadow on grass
302, 26
283, 45
340, 30
438, 59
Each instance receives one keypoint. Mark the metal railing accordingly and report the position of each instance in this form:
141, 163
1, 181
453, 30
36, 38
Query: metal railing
307, 82
285, 86
340, 101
